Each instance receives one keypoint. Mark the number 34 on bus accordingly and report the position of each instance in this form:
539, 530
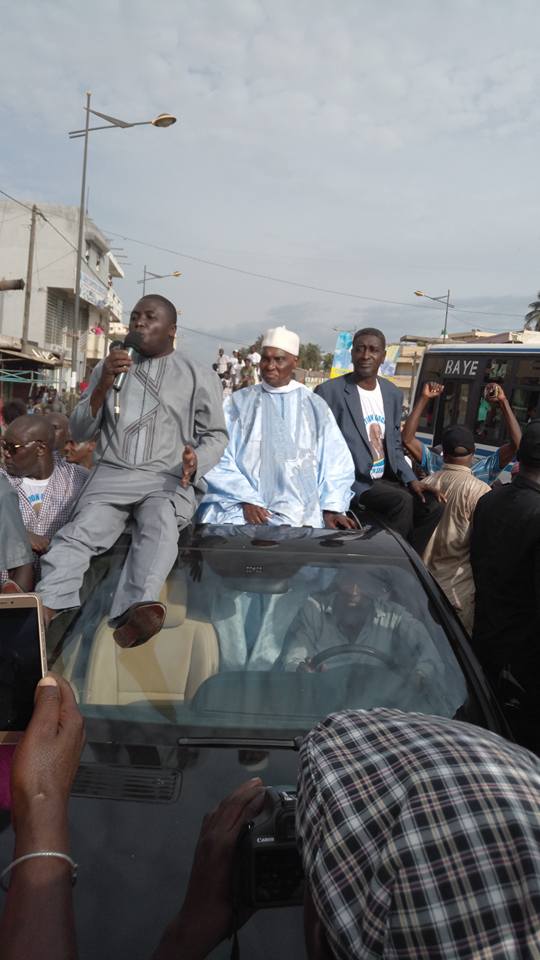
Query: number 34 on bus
465, 370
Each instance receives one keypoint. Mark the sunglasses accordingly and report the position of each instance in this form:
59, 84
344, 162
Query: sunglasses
13, 448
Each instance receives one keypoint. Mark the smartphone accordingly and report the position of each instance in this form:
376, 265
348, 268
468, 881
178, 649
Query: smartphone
491, 391
23, 661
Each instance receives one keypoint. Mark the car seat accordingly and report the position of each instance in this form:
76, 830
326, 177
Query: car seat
169, 667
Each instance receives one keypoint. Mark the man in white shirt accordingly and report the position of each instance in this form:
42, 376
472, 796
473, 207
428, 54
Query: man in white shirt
368, 411
254, 356
236, 368
223, 362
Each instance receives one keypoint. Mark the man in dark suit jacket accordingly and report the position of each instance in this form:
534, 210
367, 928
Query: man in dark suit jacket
368, 411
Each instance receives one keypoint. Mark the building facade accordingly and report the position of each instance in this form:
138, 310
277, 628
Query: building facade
52, 294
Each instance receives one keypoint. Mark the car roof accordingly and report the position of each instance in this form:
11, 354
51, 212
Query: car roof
372, 540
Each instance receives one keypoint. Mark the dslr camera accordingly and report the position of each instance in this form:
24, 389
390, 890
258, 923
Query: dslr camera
268, 866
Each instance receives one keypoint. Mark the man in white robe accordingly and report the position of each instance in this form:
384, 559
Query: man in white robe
287, 461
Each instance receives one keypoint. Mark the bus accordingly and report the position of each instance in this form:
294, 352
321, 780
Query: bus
465, 369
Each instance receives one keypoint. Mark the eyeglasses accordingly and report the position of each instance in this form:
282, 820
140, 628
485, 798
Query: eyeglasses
12, 448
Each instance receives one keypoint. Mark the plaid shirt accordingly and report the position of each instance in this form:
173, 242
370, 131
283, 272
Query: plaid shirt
63, 488
420, 838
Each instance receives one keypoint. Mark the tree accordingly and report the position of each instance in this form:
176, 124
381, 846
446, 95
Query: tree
327, 362
532, 318
255, 346
309, 356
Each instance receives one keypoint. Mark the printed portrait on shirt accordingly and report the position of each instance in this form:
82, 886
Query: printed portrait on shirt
375, 430
376, 441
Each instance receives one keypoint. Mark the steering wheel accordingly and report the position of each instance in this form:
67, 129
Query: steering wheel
351, 648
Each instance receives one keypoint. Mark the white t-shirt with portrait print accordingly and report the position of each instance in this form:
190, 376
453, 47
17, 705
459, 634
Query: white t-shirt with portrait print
34, 491
373, 411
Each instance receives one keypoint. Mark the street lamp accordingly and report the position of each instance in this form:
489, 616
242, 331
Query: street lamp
148, 275
162, 120
444, 299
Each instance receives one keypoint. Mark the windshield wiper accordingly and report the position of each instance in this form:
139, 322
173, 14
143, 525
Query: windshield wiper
255, 743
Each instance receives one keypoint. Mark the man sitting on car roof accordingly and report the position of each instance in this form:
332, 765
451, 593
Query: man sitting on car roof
286, 461
368, 412
485, 468
156, 440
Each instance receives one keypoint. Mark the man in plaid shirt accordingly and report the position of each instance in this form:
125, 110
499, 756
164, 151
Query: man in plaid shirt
47, 486
419, 837
420, 840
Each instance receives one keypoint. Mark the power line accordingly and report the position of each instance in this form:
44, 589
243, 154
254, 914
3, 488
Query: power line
56, 230
264, 276
297, 283
211, 336
21, 204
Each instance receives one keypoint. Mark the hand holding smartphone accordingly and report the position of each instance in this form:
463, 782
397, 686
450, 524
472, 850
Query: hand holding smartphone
491, 391
23, 661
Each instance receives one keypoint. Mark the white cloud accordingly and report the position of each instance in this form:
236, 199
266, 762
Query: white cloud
358, 146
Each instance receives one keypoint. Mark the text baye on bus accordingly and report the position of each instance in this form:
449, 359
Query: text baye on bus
465, 370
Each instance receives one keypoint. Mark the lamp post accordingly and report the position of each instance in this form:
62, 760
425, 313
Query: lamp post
444, 299
162, 120
148, 275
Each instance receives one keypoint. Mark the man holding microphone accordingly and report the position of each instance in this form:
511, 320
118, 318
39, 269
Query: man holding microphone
157, 438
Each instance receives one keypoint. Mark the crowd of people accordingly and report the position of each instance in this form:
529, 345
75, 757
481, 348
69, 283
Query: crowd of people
260, 448
44, 400
237, 371
179, 442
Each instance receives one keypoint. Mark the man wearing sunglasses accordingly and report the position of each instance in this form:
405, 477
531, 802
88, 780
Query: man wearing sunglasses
47, 487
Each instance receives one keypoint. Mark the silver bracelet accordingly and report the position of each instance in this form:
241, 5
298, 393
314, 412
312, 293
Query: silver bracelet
40, 853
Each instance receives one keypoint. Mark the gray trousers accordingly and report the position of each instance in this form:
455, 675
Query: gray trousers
157, 506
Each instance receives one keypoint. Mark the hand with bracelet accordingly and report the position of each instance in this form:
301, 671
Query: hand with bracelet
38, 915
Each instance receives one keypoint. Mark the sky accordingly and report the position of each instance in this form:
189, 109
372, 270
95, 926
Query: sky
368, 149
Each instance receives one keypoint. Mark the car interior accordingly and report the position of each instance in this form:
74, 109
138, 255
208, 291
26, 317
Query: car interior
216, 659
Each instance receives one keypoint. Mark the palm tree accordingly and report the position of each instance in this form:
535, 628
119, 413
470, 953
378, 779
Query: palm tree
532, 318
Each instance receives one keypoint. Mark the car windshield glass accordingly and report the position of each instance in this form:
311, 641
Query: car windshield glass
260, 637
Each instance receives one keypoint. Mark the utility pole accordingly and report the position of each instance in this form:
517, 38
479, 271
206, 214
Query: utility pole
444, 333
78, 266
29, 272
144, 281
413, 375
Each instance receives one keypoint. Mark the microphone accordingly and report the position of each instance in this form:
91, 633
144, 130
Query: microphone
132, 344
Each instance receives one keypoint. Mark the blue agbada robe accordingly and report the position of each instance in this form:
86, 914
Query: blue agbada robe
286, 453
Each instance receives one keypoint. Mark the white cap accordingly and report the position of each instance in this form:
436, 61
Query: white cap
282, 339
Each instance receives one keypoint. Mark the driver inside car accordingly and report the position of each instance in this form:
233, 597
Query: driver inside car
354, 612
